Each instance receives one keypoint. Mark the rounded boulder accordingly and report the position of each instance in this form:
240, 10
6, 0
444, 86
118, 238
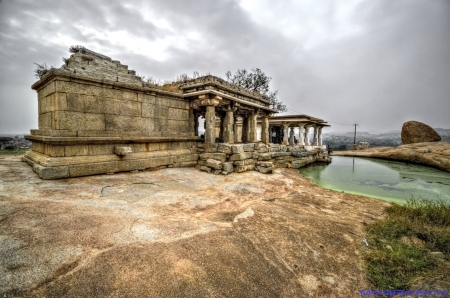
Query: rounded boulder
418, 132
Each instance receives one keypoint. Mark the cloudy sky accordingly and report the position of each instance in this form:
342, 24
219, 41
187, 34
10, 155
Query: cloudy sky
375, 63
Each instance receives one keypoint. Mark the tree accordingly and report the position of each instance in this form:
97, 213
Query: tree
256, 81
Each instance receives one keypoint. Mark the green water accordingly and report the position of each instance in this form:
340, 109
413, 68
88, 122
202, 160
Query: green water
382, 179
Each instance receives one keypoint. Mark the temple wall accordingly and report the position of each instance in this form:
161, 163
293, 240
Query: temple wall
83, 124
80, 109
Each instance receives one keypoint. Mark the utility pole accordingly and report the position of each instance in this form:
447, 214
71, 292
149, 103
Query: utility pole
354, 137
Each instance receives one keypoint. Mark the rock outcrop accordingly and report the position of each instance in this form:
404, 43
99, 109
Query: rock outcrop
418, 132
179, 233
433, 154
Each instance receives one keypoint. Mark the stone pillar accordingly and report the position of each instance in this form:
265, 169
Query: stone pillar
315, 136
285, 134
245, 128
253, 134
221, 124
236, 130
307, 135
301, 137
227, 128
196, 124
291, 137
210, 124
265, 131
319, 136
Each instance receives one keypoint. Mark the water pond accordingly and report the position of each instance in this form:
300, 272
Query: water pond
388, 180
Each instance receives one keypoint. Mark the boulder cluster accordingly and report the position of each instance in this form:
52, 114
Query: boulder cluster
226, 158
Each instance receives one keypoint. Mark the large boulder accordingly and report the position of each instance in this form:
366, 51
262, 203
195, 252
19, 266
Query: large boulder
418, 132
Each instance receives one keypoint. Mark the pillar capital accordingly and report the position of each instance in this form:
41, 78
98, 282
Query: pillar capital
207, 100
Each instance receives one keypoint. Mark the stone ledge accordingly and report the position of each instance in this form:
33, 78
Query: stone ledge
106, 140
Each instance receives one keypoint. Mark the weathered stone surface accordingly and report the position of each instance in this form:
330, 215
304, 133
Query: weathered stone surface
248, 147
265, 156
264, 164
434, 154
214, 164
259, 146
255, 155
228, 166
51, 172
265, 170
217, 156
206, 169
241, 156
224, 148
237, 149
280, 154
299, 153
263, 150
217, 172
200, 228
122, 151
240, 169
92, 169
418, 132
244, 162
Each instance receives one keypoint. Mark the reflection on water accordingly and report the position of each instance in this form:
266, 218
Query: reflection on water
387, 180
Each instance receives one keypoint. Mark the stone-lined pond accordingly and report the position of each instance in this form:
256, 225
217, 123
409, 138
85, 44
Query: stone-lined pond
382, 179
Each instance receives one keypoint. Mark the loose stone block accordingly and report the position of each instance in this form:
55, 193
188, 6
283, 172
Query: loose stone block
206, 169
224, 148
280, 154
265, 156
240, 169
228, 166
214, 164
241, 156
217, 156
51, 172
299, 153
259, 146
122, 151
244, 162
217, 172
265, 170
237, 149
264, 164
187, 164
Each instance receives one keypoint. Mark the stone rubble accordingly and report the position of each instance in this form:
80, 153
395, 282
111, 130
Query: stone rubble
260, 157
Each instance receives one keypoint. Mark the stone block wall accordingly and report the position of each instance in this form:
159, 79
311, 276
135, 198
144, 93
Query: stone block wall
228, 158
86, 109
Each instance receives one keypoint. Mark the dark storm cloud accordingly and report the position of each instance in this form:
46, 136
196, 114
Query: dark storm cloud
393, 68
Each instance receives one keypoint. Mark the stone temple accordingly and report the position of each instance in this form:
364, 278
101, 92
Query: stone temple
98, 117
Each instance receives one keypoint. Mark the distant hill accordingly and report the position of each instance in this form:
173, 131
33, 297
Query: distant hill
343, 141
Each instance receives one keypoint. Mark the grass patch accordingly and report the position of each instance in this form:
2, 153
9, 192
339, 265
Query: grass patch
400, 245
14, 152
